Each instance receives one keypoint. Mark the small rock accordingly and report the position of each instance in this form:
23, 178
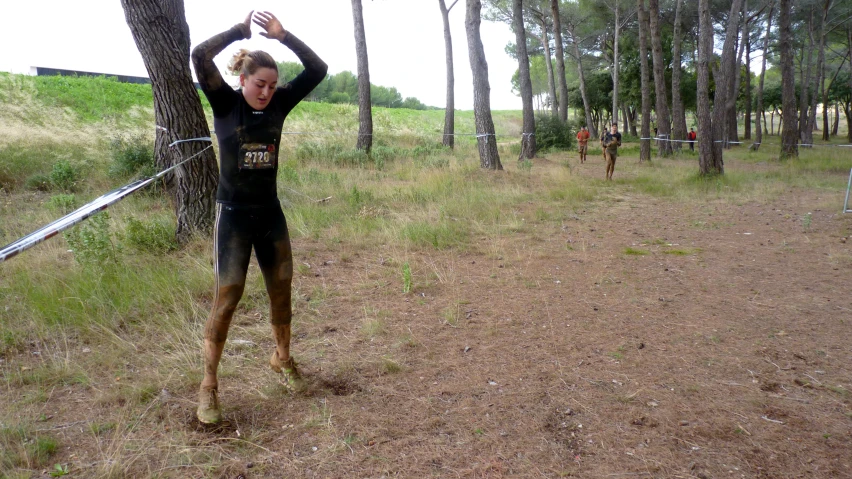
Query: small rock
314, 448
653, 403
683, 423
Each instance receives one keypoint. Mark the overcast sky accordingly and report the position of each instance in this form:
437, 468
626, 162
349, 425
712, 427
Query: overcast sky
404, 41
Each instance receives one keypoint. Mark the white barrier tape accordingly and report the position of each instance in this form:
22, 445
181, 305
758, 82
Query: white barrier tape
86, 211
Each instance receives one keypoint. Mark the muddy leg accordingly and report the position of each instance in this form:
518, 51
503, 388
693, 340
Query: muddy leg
216, 331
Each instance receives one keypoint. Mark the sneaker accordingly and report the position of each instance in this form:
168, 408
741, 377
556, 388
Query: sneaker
288, 370
208, 406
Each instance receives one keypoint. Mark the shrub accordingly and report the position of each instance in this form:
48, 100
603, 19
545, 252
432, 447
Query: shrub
62, 202
151, 237
131, 156
38, 182
552, 134
91, 241
63, 176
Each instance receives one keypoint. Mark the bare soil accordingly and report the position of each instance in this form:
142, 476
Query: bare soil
638, 337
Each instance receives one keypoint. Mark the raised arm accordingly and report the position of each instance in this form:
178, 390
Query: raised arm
315, 68
211, 81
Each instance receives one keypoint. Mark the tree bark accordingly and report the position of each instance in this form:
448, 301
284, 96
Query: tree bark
645, 145
489, 157
806, 85
707, 161
734, 88
528, 137
590, 121
747, 116
560, 61
161, 34
821, 79
450, 109
846, 107
548, 64
663, 122
790, 134
760, 108
615, 67
365, 109
678, 115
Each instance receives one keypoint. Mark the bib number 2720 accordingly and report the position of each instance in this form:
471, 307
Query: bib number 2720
258, 156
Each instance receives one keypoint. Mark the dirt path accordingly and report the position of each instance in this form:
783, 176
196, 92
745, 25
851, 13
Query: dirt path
638, 338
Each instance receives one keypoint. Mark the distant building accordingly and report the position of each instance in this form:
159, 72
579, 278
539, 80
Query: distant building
44, 71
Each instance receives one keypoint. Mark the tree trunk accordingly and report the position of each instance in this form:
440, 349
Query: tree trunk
678, 115
631, 116
560, 61
806, 85
707, 161
846, 108
645, 145
836, 126
450, 109
528, 137
760, 109
626, 117
365, 109
615, 68
710, 151
747, 117
590, 122
734, 88
548, 63
489, 158
663, 124
790, 134
161, 34
725, 80
821, 79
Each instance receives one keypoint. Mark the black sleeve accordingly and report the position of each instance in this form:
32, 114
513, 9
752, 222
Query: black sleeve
314, 73
221, 96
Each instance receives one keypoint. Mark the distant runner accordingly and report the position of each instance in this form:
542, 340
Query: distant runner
611, 142
583, 142
691, 136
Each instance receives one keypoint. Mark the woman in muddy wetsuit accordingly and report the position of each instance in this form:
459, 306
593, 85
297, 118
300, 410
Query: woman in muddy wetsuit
248, 125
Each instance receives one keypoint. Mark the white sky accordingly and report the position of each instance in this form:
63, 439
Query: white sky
405, 41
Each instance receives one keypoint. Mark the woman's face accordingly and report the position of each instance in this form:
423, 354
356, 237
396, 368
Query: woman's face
259, 87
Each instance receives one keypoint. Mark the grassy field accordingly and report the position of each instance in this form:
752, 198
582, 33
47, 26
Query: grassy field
100, 328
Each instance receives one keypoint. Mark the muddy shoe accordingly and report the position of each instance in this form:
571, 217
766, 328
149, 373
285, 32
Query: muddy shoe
288, 370
208, 406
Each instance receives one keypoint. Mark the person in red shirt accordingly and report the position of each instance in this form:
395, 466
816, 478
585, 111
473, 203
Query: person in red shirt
583, 142
691, 136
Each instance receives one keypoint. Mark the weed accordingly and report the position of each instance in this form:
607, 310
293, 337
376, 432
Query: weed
406, 277
92, 242
806, 221
64, 203
154, 236
131, 156
63, 176
635, 252
525, 166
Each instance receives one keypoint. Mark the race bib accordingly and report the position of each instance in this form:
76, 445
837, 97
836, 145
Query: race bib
258, 156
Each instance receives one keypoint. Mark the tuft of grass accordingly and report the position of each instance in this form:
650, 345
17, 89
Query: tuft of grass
635, 252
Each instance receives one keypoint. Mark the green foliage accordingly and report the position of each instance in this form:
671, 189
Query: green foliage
525, 165
64, 203
552, 134
63, 176
154, 236
38, 182
92, 98
21, 447
406, 277
131, 156
91, 241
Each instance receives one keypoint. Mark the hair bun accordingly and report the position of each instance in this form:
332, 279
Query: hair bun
237, 61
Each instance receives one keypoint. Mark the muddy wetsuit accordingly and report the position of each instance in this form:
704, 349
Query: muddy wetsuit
248, 213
